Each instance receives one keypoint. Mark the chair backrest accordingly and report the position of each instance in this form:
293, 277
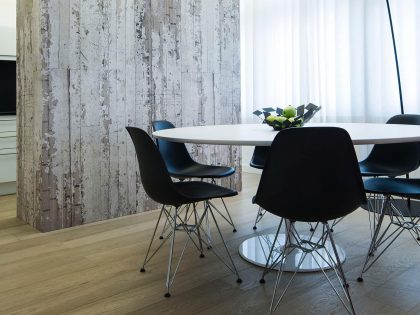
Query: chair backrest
175, 154
154, 175
259, 156
311, 174
402, 156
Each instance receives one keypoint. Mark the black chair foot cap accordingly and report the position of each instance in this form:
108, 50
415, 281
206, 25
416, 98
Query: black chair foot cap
371, 254
332, 230
254, 228
167, 295
311, 229
234, 231
161, 237
239, 280
142, 270
418, 238
346, 285
209, 247
360, 279
202, 256
262, 280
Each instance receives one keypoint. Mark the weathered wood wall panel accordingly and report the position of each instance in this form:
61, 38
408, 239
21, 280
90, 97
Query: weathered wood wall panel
29, 116
87, 69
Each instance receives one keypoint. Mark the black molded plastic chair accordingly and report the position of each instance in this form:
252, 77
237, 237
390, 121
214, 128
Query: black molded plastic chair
393, 159
258, 161
401, 218
390, 160
316, 181
159, 186
181, 166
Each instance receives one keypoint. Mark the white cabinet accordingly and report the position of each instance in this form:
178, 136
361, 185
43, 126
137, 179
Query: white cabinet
7, 123
7, 29
7, 155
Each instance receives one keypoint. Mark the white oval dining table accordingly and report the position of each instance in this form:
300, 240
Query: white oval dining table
263, 135
256, 248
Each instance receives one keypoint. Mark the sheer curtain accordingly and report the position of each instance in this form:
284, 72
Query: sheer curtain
333, 53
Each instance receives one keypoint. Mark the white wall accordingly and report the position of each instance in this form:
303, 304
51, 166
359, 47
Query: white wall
7, 28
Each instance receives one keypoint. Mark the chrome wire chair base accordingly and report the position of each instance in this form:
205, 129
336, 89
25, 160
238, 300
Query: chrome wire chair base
227, 218
334, 223
384, 234
308, 247
195, 224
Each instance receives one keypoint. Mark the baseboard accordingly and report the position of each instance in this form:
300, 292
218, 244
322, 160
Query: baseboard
7, 188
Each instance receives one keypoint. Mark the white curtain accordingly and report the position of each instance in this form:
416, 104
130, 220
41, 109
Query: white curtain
333, 53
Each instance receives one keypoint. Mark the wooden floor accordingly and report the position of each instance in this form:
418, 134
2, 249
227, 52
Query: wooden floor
93, 269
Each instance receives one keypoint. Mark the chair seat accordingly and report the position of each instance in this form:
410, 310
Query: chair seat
401, 187
197, 170
195, 191
373, 168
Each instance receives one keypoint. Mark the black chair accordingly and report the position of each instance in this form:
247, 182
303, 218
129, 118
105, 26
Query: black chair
259, 157
258, 161
159, 186
400, 218
180, 165
393, 159
317, 180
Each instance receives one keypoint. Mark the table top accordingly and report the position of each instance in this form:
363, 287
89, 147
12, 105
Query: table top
263, 135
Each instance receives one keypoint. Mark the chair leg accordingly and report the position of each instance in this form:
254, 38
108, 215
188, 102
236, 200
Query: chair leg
334, 223
260, 214
197, 224
288, 248
171, 252
341, 272
207, 230
172, 218
267, 268
164, 228
228, 217
375, 204
209, 208
146, 259
373, 244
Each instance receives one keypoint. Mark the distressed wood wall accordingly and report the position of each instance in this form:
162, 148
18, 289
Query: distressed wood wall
87, 69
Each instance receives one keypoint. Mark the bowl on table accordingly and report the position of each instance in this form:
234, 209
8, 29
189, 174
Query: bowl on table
288, 117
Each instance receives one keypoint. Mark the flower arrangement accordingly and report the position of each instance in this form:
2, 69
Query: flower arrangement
287, 117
